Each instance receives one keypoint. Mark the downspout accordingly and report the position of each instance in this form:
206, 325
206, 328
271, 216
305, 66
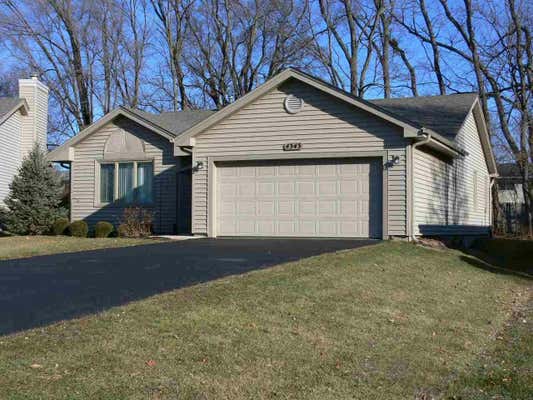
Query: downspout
412, 181
492, 178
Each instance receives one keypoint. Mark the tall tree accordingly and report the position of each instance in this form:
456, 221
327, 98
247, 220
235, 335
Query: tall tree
173, 16
49, 36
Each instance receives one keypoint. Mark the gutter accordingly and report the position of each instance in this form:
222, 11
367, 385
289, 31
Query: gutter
418, 143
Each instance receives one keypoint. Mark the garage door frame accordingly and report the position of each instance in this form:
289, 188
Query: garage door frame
212, 178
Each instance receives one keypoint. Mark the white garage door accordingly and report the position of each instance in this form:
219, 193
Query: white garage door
304, 198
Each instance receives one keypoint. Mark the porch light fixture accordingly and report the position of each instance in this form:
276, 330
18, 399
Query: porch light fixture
395, 160
199, 165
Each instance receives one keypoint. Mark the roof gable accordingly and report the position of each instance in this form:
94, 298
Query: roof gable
8, 105
187, 138
169, 125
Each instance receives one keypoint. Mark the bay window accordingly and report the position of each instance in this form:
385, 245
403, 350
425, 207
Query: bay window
126, 182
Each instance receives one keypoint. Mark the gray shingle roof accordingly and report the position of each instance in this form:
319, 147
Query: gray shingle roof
7, 104
175, 122
443, 114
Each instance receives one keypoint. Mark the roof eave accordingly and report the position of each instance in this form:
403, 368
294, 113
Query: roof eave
485, 138
444, 142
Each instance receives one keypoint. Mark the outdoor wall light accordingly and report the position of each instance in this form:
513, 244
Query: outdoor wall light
199, 165
395, 160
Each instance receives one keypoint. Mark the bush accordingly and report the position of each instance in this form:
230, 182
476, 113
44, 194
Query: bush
103, 229
60, 226
34, 197
78, 229
136, 222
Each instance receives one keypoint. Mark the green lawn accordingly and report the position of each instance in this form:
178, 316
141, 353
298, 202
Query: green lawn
28, 246
391, 321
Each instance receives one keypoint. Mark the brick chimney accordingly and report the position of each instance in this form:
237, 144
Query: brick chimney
35, 124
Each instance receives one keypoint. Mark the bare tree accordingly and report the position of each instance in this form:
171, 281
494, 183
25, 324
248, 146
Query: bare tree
133, 39
343, 14
427, 34
236, 45
48, 38
173, 16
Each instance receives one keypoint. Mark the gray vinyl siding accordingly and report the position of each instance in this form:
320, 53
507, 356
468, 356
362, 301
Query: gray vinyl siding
84, 204
325, 125
446, 198
10, 152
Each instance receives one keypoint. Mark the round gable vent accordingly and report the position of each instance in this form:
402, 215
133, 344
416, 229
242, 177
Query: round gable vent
293, 104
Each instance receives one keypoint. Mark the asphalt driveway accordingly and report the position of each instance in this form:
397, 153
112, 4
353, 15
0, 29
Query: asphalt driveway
41, 290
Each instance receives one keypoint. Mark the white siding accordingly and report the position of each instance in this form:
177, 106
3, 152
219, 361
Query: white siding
84, 204
325, 125
446, 198
10, 152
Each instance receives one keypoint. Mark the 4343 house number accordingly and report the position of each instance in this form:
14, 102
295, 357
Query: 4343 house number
292, 146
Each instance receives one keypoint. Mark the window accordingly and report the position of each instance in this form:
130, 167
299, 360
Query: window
145, 172
107, 183
127, 182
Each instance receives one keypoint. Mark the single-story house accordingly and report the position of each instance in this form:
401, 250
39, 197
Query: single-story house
296, 157
23, 122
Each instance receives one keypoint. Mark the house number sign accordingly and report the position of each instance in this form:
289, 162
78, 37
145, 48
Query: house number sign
292, 146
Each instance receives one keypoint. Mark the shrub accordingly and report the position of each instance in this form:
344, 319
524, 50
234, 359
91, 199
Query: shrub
136, 222
60, 226
78, 229
103, 229
34, 197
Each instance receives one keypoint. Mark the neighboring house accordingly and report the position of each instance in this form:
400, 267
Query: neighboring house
23, 122
510, 184
296, 157
512, 215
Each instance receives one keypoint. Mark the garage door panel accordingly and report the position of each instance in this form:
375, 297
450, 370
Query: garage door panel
327, 208
246, 189
322, 198
266, 209
305, 188
327, 187
246, 208
286, 188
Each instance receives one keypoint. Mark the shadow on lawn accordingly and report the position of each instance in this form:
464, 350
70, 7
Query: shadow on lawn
42, 290
482, 261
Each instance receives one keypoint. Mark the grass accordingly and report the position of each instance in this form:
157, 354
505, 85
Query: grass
505, 371
29, 246
391, 321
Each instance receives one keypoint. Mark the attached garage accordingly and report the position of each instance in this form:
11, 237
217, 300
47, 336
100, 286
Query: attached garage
331, 169
329, 197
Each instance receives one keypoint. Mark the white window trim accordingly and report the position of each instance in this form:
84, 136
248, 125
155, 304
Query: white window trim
97, 183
